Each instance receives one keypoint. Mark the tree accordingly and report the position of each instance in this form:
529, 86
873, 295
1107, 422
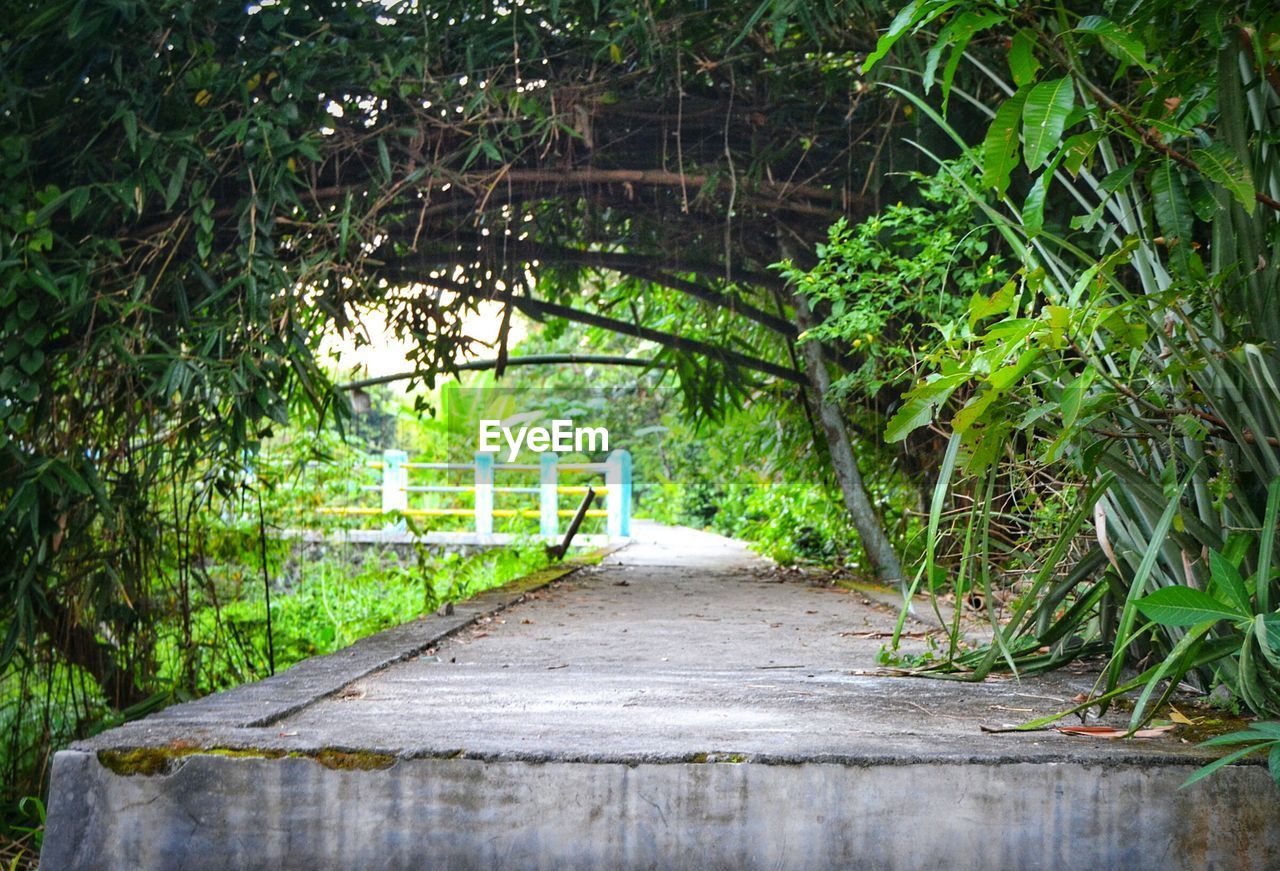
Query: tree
1129, 165
191, 199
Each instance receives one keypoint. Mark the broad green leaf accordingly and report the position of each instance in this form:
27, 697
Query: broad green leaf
1118, 179
1118, 42
1077, 149
998, 303
1023, 63
1073, 396
920, 404
1219, 164
973, 409
1089, 221
1173, 210
1006, 376
1184, 606
1044, 117
1000, 147
1204, 205
1266, 628
1033, 208
1271, 625
1227, 582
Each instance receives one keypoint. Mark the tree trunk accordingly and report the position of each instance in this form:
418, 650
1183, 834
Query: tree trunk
79, 645
880, 553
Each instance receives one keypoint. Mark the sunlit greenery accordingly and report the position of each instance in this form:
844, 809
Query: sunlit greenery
1040, 246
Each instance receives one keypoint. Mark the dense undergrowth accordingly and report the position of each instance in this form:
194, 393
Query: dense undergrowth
1057, 352
243, 599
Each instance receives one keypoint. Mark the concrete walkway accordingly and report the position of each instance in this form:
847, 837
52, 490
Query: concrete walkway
683, 704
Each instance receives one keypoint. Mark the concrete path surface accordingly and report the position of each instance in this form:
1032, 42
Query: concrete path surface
682, 704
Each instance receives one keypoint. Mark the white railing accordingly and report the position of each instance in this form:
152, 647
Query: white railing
396, 488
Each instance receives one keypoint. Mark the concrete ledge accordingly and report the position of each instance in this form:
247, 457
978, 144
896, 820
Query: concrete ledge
274, 698
682, 704
225, 812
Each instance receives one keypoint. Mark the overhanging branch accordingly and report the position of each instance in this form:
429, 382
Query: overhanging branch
527, 360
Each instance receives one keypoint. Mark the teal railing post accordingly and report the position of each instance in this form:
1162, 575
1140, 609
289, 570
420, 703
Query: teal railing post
484, 494
395, 478
548, 496
395, 481
617, 477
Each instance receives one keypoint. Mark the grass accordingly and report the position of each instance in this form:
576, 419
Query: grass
322, 600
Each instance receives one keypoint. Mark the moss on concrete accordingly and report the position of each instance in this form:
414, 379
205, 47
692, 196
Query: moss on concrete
357, 760
152, 761
699, 758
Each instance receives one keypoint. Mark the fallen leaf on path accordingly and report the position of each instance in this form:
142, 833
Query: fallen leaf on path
915, 635
1008, 727
1110, 732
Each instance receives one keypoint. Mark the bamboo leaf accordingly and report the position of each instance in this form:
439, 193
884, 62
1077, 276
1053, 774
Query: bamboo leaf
1173, 210
1118, 42
915, 14
174, 188
958, 34
1220, 165
1214, 766
1128, 614
1113, 181
384, 160
1044, 117
1266, 546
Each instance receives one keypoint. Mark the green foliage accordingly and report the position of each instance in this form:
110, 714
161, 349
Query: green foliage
1258, 737
886, 280
1118, 355
754, 475
190, 197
